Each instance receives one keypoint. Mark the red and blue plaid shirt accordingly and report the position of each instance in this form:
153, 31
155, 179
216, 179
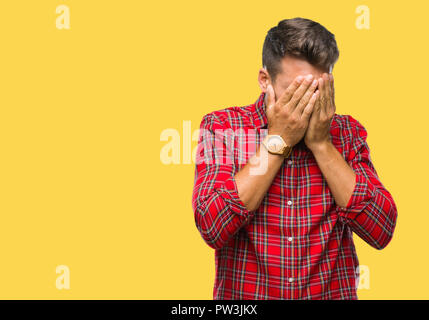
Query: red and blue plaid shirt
299, 243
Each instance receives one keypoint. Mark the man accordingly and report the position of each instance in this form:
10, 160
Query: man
281, 214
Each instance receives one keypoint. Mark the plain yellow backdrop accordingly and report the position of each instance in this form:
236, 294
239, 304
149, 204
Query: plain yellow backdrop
82, 110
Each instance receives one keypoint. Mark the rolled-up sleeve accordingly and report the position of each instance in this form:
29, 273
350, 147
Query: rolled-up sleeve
219, 213
371, 211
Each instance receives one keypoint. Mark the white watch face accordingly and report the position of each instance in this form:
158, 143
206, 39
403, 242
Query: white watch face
275, 143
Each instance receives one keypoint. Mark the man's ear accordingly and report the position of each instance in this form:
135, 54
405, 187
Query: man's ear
264, 79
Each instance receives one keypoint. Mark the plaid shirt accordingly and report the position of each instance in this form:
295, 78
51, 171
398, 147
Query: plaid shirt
299, 243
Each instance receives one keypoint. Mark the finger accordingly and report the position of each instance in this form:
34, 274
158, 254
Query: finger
287, 95
332, 89
327, 83
306, 98
270, 96
321, 99
317, 105
299, 93
309, 108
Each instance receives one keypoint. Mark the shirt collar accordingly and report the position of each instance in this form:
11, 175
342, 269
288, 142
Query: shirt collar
259, 114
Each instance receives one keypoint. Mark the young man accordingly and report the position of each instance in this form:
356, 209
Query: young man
281, 207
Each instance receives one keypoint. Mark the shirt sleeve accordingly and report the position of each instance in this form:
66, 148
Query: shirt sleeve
218, 211
371, 211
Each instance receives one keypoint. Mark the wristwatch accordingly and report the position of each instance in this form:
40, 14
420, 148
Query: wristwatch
276, 145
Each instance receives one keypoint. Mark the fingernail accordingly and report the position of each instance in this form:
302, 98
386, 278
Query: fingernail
299, 78
309, 77
314, 82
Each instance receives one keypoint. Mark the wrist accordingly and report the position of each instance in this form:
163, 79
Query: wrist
285, 139
275, 144
320, 147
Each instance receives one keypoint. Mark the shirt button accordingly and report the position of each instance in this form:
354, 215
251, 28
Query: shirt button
289, 239
289, 162
289, 202
290, 279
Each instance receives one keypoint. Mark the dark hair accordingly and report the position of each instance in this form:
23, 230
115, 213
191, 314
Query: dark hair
300, 38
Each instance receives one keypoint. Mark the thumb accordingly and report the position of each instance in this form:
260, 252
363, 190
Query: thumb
270, 95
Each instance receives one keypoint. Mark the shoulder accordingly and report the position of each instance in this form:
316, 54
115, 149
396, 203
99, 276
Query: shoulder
229, 117
348, 127
349, 135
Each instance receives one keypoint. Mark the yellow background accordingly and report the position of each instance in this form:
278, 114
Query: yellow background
82, 110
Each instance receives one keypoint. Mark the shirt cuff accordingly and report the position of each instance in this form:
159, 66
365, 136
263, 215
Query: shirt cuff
363, 194
230, 193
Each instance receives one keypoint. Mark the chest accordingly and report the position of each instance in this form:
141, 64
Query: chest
299, 200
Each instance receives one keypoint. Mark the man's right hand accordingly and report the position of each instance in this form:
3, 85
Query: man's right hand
289, 116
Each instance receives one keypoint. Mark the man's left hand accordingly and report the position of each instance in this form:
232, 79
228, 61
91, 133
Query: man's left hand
318, 131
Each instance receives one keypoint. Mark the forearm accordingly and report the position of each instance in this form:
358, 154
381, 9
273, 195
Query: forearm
369, 210
339, 175
222, 209
255, 178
